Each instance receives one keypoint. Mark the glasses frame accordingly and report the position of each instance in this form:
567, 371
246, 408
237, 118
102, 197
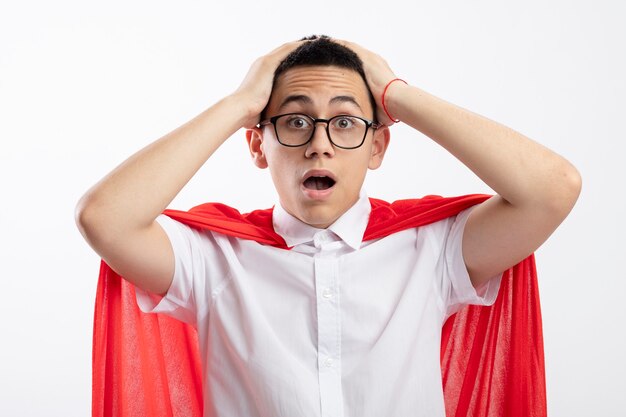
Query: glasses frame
369, 124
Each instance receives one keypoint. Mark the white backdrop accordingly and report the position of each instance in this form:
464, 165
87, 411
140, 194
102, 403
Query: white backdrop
83, 86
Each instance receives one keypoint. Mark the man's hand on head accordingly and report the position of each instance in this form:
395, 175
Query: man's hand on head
256, 88
378, 74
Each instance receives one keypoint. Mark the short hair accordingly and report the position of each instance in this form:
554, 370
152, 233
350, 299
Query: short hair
322, 50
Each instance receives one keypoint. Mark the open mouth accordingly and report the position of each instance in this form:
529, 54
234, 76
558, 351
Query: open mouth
318, 183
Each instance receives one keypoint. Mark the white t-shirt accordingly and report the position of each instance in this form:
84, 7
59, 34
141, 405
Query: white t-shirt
334, 327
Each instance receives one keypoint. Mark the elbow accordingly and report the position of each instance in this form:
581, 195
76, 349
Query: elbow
83, 216
88, 218
565, 195
576, 183
94, 225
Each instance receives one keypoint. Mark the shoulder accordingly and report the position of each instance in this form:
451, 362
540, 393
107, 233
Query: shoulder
223, 219
387, 218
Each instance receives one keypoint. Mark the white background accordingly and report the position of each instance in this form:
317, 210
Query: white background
83, 86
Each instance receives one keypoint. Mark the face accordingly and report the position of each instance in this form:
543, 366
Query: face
318, 182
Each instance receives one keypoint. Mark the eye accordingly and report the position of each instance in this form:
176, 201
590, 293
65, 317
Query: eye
298, 121
343, 123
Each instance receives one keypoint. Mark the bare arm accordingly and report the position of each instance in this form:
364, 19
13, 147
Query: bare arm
117, 215
536, 187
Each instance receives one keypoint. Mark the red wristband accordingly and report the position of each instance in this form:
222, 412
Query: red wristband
383, 100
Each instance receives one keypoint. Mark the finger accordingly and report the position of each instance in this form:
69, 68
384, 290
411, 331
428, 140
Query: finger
350, 45
285, 49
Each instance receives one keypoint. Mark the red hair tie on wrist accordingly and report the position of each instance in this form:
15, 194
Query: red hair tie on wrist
383, 100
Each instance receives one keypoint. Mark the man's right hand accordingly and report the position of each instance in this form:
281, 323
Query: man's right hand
256, 88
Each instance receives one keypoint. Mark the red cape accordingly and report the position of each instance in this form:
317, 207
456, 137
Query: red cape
491, 357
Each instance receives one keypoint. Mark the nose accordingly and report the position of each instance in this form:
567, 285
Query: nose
320, 143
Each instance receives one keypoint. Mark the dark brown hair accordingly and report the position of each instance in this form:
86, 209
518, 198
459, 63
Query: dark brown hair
322, 50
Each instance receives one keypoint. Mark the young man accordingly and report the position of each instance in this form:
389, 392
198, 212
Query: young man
337, 325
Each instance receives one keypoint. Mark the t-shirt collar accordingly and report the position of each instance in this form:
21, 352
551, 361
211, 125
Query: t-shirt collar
350, 226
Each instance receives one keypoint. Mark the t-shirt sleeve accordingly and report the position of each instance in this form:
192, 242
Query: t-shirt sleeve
457, 288
199, 266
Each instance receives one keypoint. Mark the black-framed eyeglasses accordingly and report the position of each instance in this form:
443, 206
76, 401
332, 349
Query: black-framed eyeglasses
297, 129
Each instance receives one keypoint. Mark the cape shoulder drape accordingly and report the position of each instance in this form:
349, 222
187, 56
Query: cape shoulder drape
491, 357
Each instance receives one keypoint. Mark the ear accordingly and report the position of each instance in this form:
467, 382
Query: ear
254, 137
380, 142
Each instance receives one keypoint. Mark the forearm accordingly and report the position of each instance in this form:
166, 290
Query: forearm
131, 197
520, 170
139, 189
536, 187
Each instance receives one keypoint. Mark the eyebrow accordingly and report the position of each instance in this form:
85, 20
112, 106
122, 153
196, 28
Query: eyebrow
300, 98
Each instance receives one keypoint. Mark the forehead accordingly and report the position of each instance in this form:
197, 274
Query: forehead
318, 87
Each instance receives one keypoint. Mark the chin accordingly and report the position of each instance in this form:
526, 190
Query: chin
319, 216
